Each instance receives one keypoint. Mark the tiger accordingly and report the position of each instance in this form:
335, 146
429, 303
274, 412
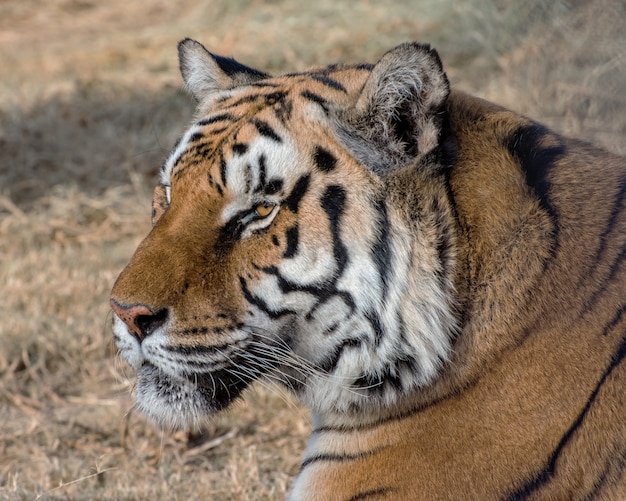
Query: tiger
440, 280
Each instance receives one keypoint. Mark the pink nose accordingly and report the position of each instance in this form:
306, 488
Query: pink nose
141, 320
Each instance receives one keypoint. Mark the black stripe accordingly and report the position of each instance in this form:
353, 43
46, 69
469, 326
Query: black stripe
333, 201
614, 321
345, 296
339, 458
223, 170
196, 330
200, 349
266, 130
281, 106
201, 150
616, 265
231, 231
544, 476
358, 428
618, 208
240, 148
443, 246
232, 68
331, 328
196, 136
376, 383
273, 186
605, 239
377, 326
292, 237
260, 304
382, 491
605, 283
262, 174
251, 98
218, 130
324, 159
401, 327
323, 292
264, 84
536, 161
316, 98
381, 251
292, 202
224, 117
329, 363
248, 177
329, 82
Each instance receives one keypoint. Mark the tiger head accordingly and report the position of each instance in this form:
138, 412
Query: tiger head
300, 234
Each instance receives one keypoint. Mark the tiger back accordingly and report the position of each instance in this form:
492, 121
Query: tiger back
440, 280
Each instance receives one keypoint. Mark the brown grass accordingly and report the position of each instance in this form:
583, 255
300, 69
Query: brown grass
90, 104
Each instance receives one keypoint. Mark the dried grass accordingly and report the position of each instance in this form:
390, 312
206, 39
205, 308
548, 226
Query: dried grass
90, 103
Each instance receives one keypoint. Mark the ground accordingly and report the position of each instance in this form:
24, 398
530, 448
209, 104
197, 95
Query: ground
91, 102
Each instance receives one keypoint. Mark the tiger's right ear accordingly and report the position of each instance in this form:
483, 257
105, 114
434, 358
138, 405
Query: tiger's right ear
397, 117
205, 73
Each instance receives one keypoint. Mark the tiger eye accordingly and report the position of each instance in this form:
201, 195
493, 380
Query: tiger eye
263, 210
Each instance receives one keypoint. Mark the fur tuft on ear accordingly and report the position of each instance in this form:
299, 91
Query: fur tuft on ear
397, 117
205, 73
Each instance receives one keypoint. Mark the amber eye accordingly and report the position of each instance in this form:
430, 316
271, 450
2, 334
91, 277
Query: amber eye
260, 211
263, 210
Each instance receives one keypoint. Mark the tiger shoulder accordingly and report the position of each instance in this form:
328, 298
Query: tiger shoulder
442, 282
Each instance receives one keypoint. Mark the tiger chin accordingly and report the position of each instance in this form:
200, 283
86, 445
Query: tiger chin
440, 280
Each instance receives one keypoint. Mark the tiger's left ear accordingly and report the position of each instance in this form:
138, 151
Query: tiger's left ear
205, 73
397, 117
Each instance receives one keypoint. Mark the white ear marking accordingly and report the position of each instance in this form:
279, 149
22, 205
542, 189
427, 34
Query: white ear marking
205, 73
396, 116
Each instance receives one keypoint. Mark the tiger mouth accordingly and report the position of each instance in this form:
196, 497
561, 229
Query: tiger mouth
184, 401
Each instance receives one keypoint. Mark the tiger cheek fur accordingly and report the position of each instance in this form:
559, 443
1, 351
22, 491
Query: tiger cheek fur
439, 279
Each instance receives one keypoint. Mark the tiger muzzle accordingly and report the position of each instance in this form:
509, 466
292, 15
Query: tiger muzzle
141, 320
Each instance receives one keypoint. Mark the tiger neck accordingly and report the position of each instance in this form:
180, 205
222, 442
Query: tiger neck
419, 316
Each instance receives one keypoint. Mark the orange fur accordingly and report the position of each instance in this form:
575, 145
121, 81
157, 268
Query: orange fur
511, 236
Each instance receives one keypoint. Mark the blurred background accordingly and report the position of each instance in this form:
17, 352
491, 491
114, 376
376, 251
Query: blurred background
90, 104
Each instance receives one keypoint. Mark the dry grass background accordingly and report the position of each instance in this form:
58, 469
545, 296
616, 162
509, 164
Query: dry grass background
90, 103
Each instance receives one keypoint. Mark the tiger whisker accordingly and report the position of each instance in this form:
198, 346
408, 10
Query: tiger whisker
272, 387
298, 363
308, 369
270, 372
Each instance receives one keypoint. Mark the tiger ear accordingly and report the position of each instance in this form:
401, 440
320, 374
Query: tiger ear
397, 116
205, 73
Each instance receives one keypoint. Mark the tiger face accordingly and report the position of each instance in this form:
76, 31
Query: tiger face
279, 250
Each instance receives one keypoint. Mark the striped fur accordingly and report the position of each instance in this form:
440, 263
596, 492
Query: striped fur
440, 280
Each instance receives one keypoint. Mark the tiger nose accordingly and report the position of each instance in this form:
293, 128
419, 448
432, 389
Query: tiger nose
140, 319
